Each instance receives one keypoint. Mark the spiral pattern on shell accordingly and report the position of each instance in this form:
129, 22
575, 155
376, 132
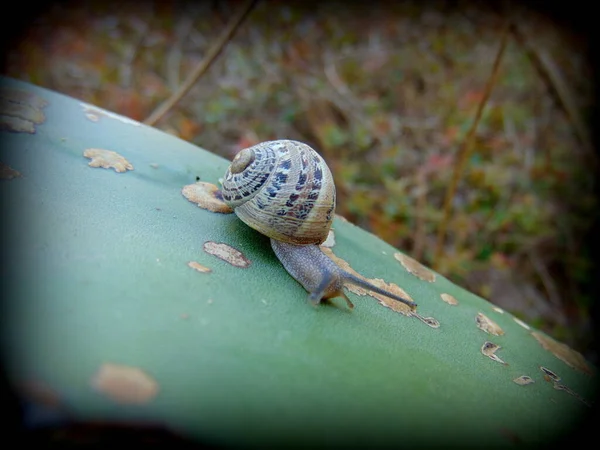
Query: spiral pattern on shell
282, 189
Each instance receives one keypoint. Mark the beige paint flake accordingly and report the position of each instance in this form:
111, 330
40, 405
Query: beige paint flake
23, 97
524, 380
22, 111
489, 349
16, 125
415, 267
199, 267
227, 254
94, 114
383, 300
8, 173
549, 375
125, 384
107, 159
563, 352
206, 196
488, 325
523, 324
450, 299
330, 241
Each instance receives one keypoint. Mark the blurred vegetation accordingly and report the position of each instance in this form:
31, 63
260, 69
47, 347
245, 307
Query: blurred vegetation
386, 92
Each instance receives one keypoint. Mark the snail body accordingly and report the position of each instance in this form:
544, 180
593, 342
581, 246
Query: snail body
284, 190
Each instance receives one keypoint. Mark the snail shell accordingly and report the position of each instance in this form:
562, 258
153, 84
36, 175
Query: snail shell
283, 189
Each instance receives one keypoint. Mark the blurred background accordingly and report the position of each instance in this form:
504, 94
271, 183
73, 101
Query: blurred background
387, 93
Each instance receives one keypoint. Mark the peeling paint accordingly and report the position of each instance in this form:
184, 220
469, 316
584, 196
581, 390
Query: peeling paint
553, 378
24, 97
107, 159
199, 267
330, 241
450, 299
523, 324
488, 325
415, 267
8, 173
524, 380
383, 300
206, 196
94, 114
563, 352
227, 254
489, 349
429, 321
16, 125
549, 375
22, 111
125, 384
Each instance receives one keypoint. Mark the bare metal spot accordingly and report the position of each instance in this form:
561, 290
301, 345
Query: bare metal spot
16, 125
563, 352
199, 267
8, 173
488, 325
94, 114
450, 299
227, 254
107, 159
523, 324
498, 310
524, 380
23, 97
415, 267
125, 384
330, 241
489, 349
383, 300
40, 392
206, 196
568, 390
549, 375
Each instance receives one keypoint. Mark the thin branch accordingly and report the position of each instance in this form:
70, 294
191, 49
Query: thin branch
203, 66
467, 147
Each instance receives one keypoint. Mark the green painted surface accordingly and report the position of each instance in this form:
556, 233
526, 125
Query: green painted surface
98, 273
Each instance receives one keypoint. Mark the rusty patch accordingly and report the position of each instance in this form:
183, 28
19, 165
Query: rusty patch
227, 254
107, 159
523, 324
383, 300
8, 173
488, 325
524, 380
125, 384
94, 114
199, 267
16, 125
489, 349
23, 97
40, 392
206, 196
415, 267
450, 299
563, 352
330, 241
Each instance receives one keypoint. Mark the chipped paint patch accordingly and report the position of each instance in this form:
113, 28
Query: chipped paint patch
8, 173
523, 324
24, 97
107, 159
498, 310
94, 114
227, 254
553, 378
563, 352
415, 267
330, 241
450, 299
206, 196
22, 111
488, 325
429, 321
383, 300
125, 384
199, 267
549, 375
489, 349
524, 380
16, 125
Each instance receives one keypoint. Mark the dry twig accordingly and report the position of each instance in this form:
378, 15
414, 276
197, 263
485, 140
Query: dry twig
203, 66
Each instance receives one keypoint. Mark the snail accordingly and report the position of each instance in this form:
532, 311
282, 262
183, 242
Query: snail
284, 190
